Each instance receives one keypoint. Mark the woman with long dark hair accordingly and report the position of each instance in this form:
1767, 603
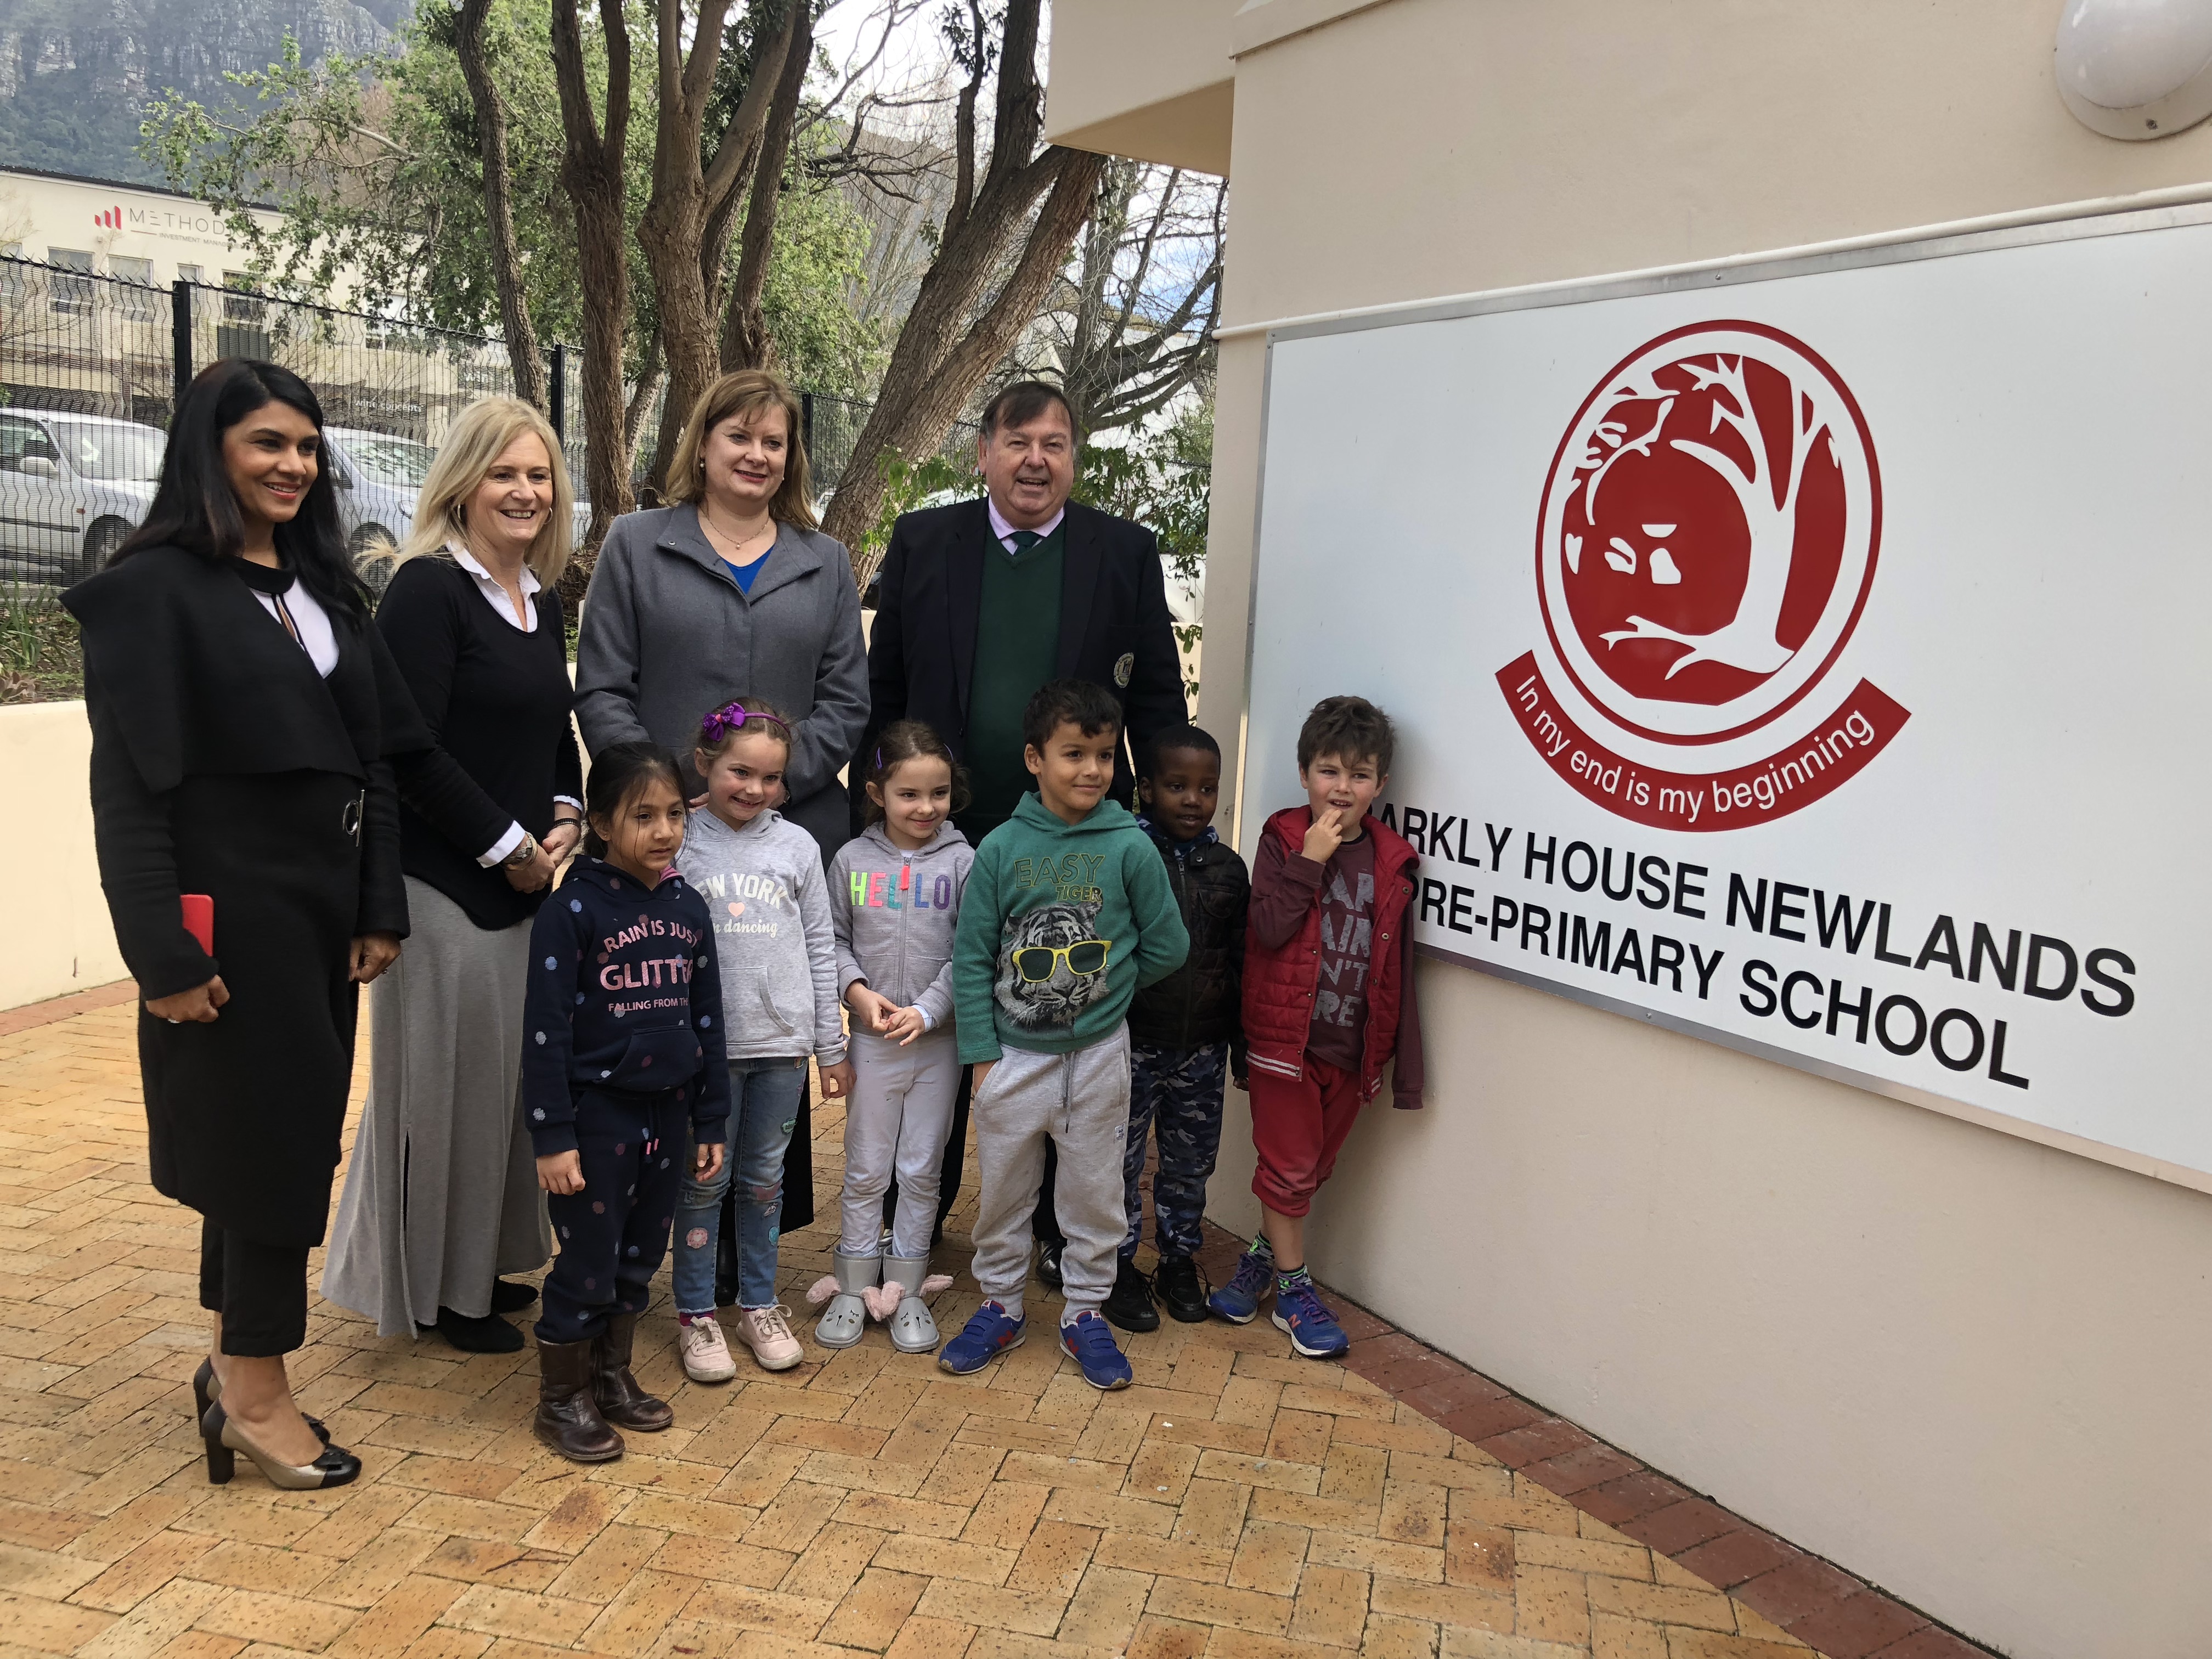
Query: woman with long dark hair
242, 711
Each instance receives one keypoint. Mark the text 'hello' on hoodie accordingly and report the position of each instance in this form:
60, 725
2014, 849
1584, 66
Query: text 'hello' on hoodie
896, 914
624, 995
1043, 896
761, 884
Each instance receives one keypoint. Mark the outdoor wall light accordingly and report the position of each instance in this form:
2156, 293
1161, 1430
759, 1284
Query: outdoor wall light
2136, 69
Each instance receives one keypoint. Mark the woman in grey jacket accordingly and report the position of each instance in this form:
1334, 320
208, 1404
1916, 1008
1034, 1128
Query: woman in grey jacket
732, 592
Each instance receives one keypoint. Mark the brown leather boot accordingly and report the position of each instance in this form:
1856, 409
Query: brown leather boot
620, 1400
568, 1419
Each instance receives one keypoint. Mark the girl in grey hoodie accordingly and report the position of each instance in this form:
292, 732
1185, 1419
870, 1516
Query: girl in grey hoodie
895, 896
761, 877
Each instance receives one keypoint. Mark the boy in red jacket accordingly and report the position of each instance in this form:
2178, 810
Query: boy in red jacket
1327, 1001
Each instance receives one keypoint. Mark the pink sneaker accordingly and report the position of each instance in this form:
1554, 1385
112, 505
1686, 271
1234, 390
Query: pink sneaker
706, 1355
767, 1332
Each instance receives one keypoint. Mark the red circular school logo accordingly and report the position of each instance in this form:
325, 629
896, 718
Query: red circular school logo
1708, 532
1705, 548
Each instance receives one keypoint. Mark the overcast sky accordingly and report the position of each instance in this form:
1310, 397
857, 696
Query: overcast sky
852, 28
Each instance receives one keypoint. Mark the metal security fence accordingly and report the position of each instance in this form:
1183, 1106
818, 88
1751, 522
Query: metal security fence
92, 365
833, 426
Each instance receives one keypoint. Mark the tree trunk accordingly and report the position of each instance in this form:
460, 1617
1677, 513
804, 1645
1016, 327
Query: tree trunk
591, 173
932, 375
935, 366
686, 194
530, 377
745, 330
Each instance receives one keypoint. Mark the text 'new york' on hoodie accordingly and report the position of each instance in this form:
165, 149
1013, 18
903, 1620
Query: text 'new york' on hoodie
895, 914
1041, 896
761, 884
622, 995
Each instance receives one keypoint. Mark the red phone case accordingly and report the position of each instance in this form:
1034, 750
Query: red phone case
199, 919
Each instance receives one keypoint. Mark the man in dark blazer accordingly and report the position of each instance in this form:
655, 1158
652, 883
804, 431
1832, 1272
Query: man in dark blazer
980, 603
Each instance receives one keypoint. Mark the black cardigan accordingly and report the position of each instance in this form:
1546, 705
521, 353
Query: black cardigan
497, 702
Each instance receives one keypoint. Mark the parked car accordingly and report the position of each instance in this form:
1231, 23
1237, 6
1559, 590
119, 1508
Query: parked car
378, 476
71, 488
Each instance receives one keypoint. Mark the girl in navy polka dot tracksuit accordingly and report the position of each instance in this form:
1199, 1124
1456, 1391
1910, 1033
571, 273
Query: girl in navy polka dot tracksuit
622, 1064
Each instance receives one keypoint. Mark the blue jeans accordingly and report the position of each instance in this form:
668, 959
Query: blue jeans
763, 1103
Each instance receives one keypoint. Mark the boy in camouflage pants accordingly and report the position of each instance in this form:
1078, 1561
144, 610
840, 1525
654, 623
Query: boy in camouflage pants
1185, 1032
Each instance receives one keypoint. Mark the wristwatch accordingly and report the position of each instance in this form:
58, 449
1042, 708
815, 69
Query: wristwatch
522, 854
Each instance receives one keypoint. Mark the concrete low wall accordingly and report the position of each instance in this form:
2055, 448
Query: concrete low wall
57, 934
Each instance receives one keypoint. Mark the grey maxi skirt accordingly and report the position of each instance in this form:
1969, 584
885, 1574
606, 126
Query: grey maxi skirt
442, 1195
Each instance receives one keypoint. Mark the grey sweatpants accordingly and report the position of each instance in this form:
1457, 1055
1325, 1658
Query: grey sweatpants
1080, 1101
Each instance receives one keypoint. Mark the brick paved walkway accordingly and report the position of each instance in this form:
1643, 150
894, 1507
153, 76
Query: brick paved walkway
1237, 1502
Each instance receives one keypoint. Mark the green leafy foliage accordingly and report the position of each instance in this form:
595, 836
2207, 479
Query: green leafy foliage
41, 660
812, 299
373, 166
1163, 481
911, 485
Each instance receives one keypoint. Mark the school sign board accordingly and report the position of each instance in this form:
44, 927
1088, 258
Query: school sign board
1816, 657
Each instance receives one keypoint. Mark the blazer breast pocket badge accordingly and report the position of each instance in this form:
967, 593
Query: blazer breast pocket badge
1124, 666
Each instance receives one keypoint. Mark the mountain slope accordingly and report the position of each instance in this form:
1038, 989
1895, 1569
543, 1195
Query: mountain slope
75, 78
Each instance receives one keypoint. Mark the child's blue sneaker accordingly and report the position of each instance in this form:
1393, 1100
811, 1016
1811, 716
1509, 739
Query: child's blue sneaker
1313, 1328
1238, 1301
989, 1332
1089, 1341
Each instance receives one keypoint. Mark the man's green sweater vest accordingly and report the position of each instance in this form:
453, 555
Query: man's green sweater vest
1016, 647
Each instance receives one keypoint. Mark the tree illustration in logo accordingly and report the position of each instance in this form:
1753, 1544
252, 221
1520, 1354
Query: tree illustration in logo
1708, 531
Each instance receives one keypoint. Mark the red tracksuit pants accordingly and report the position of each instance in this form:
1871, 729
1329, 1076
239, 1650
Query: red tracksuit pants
1297, 1129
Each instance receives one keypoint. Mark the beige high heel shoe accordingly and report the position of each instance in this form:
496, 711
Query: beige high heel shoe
225, 1439
207, 1388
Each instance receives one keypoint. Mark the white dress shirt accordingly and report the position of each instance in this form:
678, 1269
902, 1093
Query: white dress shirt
316, 637
496, 596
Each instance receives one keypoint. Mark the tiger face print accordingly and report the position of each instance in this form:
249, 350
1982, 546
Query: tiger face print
1051, 1004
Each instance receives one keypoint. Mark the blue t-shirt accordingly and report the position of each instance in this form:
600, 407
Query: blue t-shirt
743, 574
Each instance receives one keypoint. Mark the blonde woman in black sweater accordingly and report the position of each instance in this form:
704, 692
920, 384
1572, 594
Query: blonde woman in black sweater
442, 1197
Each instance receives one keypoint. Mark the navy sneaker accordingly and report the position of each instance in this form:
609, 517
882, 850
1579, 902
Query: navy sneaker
989, 1332
1238, 1301
1313, 1328
1089, 1341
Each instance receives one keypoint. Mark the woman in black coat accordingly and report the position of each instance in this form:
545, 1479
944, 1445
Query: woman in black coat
242, 710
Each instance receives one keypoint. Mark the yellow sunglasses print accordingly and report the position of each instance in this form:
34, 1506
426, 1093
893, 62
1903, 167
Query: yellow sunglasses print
1036, 964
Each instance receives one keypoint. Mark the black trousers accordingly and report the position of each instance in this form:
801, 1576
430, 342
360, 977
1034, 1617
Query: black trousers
614, 1233
260, 1289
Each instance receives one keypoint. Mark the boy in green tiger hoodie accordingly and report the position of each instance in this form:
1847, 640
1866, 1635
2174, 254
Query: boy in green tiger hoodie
1068, 911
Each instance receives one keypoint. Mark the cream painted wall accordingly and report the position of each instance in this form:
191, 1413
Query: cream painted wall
59, 940
1975, 1371
1165, 63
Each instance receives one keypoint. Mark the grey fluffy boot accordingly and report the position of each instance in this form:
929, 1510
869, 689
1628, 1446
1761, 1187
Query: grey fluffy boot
913, 1331
846, 1319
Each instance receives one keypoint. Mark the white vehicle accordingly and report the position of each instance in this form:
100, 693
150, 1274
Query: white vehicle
378, 476
71, 488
